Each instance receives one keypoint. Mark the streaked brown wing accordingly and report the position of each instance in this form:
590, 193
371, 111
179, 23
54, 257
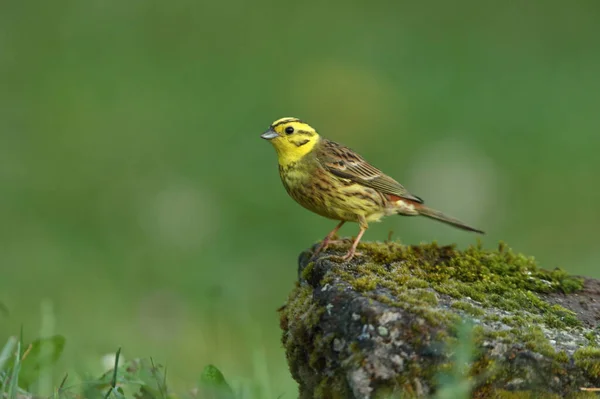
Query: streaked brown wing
345, 163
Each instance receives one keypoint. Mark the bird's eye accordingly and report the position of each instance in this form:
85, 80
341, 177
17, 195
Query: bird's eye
289, 130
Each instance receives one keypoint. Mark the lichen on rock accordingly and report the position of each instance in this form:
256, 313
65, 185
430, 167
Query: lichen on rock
386, 323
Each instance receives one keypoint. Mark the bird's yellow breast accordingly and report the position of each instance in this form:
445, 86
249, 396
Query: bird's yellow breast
327, 195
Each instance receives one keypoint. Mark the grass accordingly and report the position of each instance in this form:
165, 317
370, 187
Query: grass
137, 378
27, 370
143, 378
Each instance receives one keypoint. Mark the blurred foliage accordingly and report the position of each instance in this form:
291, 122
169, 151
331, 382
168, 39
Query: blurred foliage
139, 378
213, 385
136, 195
456, 383
35, 357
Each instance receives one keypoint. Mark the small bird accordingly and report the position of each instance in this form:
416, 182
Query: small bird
335, 182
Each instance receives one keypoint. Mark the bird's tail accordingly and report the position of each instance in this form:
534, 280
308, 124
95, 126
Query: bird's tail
437, 215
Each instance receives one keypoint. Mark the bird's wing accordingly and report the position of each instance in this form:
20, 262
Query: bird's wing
345, 163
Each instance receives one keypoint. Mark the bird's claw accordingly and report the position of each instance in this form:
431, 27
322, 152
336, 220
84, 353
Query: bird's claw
325, 244
345, 258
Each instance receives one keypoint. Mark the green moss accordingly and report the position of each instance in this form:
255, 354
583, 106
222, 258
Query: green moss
591, 336
515, 320
300, 307
416, 283
297, 319
333, 387
501, 286
500, 278
583, 395
415, 276
468, 308
307, 271
364, 283
502, 394
535, 340
588, 358
559, 317
492, 318
418, 297
562, 357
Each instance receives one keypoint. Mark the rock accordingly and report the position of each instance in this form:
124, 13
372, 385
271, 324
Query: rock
414, 321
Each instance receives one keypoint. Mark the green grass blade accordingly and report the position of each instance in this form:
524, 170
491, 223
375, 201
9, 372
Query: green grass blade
161, 383
7, 350
5, 355
14, 378
113, 382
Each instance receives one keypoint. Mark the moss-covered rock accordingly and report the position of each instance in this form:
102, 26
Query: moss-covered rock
385, 324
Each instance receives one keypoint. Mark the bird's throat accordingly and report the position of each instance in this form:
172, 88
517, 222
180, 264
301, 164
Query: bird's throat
292, 153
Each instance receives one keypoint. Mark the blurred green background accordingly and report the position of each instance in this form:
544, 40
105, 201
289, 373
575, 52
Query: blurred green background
137, 196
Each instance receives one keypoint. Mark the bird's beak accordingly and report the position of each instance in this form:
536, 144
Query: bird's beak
269, 134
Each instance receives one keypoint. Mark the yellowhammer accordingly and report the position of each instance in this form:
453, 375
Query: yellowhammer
334, 181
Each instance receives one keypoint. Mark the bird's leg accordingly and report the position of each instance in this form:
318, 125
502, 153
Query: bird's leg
363, 227
328, 240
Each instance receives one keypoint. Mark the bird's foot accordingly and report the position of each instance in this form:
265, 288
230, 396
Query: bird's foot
326, 243
346, 258
350, 255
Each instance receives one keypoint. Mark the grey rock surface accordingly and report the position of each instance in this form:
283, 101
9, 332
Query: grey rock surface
416, 321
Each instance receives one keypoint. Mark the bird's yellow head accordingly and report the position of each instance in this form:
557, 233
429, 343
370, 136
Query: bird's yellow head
292, 139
